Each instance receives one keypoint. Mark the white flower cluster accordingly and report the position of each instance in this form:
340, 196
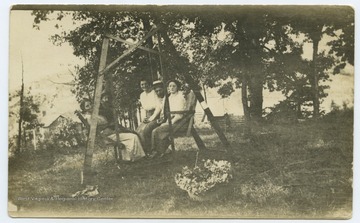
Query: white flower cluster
201, 179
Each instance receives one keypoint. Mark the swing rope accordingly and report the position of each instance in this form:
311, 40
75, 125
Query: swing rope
115, 115
151, 67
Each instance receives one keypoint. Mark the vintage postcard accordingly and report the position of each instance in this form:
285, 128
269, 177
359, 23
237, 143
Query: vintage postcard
188, 111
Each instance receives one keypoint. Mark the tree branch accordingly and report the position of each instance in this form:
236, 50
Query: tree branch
66, 83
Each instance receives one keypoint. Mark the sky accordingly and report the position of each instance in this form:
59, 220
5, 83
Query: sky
45, 65
39, 64
41, 59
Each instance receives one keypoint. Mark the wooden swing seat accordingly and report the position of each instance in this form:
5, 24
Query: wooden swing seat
185, 127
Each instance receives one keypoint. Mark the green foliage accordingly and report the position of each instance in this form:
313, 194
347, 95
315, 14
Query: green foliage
315, 28
12, 144
86, 41
343, 46
29, 110
253, 45
67, 138
292, 75
334, 106
226, 89
250, 54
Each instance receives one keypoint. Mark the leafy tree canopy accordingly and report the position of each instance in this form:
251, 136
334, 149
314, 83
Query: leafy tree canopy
219, 41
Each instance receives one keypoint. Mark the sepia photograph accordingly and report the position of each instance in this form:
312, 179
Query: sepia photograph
181, 111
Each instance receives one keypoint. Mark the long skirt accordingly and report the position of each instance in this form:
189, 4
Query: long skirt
133, 148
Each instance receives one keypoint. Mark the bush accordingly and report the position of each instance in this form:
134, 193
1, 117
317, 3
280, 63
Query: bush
68, 138
338, 114
283, 113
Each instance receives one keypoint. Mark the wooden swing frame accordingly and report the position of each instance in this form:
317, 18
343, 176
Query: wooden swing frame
189, 115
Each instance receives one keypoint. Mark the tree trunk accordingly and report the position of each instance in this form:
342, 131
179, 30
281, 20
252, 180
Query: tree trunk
256, 80
18, 149
244, 97
315, 84
25, 142
299, 113
314, 80
256, 96
205, 97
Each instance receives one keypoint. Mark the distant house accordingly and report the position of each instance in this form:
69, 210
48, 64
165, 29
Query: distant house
53, 123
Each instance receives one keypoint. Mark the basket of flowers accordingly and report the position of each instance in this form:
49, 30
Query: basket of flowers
203, 180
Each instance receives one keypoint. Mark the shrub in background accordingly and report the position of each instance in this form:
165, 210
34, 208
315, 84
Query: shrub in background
67, 138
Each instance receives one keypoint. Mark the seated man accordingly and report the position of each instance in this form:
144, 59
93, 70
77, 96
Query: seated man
133, 149
189, 97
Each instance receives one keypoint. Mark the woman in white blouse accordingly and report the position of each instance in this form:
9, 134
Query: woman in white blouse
160, 135
151, 104
149, 101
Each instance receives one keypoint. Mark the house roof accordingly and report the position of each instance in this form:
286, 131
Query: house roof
47, 120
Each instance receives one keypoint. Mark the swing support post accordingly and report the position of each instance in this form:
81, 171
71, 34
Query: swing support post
87, 174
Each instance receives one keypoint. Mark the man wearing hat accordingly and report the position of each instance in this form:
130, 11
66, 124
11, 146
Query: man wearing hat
159, 90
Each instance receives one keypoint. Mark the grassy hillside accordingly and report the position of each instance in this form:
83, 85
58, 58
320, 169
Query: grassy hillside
301, 170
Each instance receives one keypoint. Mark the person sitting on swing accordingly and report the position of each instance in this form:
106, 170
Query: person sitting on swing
160, 136
132, 148
150, 100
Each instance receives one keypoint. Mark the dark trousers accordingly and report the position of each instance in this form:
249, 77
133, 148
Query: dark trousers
144, 131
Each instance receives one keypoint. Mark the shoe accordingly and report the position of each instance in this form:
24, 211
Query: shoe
120, 146
153, 154
147, 155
